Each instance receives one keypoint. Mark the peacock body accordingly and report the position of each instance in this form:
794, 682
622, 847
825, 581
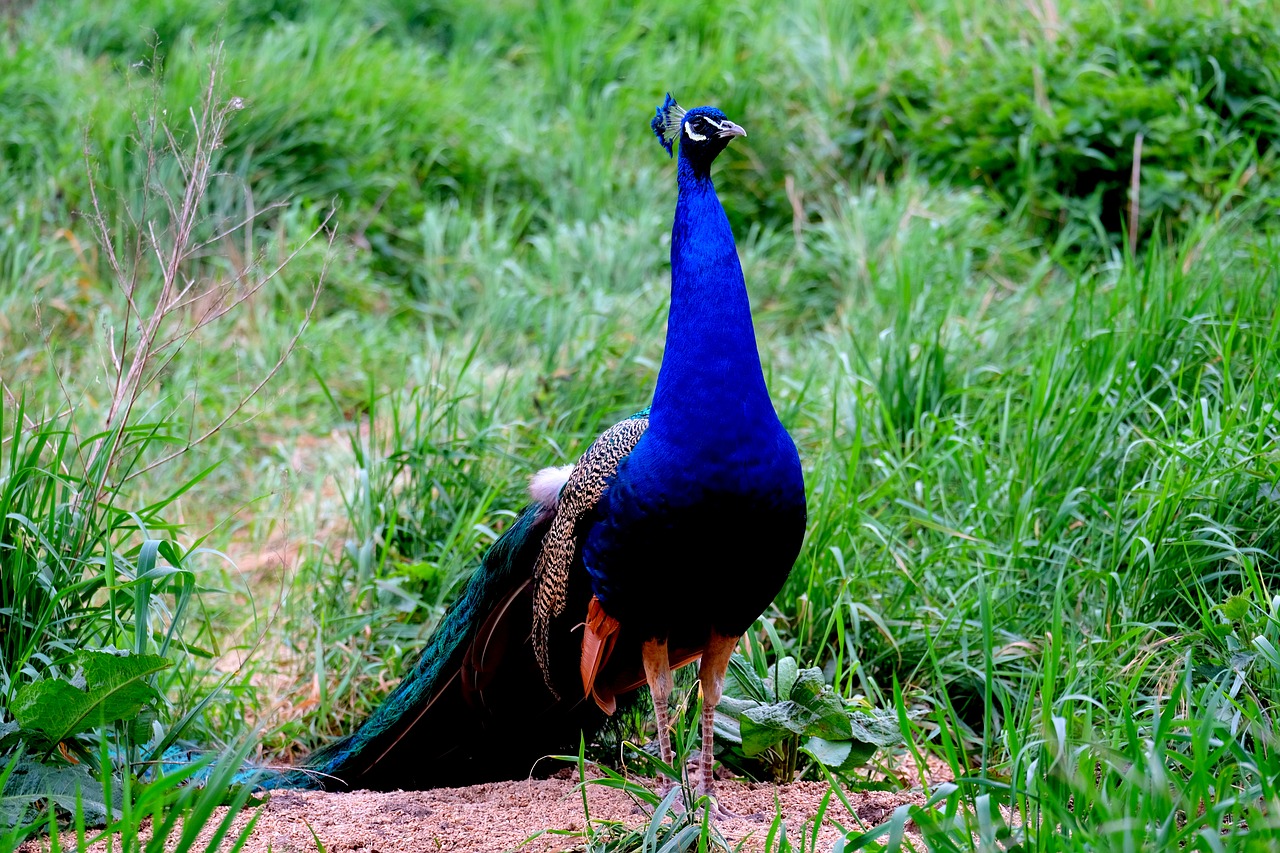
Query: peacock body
660, 546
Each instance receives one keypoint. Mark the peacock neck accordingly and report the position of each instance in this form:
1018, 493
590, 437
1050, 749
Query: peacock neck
711, 380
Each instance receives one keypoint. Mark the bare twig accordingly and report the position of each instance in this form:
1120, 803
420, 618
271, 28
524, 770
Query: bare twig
211, 315
129, 384
159, 321
246, 221
217, 310
284, 356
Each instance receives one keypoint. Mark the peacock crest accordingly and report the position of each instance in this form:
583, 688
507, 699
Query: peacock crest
666, 124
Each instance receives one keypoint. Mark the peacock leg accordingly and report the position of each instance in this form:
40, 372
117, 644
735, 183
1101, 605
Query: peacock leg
657, 671
715, 663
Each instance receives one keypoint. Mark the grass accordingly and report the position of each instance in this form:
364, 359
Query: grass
1041, 459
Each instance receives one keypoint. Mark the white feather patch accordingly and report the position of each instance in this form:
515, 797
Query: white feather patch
545, 486
692, 134
672, 115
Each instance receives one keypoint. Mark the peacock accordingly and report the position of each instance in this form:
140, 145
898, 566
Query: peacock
661, 545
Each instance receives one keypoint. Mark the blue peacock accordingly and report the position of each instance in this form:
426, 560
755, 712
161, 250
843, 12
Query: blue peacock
660, 546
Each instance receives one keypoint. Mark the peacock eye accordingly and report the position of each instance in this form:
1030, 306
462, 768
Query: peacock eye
696, 135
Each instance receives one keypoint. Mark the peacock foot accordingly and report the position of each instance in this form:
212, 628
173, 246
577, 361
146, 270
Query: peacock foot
664, 788
719, 813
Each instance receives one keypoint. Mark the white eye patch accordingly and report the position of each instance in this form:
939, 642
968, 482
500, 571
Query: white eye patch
707, 123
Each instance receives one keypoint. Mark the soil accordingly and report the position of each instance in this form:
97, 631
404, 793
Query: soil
538, 816
534, 815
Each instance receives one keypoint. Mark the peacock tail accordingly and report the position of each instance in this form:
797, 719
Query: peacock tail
447, 723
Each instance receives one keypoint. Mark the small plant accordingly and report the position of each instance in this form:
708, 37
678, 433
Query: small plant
103, 688
54, 714
770, 722
91, 561
670, 828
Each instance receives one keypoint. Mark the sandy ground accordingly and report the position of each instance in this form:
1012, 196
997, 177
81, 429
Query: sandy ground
538, 816
504, 816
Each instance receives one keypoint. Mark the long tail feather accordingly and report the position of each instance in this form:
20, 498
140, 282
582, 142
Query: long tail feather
475, 706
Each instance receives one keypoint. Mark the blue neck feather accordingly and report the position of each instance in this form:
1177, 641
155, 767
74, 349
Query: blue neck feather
711, 382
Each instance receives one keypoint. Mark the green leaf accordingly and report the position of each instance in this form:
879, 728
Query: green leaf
784, 676
1268, 651
859, 754
727, 729
32, 784
878, 728
10, 734
832, 754
1235, 608
767, 725
736, 707
870, 733
807, 682
829, 717
741, 681
53, 710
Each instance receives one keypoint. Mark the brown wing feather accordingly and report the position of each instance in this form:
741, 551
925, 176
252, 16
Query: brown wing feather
627, 676
581, 492
600, 634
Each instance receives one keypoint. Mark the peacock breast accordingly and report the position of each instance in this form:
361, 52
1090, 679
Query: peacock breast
681, 524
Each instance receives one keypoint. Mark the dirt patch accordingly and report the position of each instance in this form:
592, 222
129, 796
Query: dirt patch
538, 816
510, 815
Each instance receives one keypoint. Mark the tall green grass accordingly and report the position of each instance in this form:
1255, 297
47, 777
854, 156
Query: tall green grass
1041, 465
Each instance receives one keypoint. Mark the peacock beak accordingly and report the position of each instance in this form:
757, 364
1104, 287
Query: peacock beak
728, 128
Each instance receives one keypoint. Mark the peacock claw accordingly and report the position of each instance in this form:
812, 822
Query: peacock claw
662, 791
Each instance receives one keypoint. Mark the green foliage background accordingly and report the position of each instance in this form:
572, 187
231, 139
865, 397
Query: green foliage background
1044, 520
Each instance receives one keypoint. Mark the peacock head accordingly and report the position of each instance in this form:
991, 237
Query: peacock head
703, 132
